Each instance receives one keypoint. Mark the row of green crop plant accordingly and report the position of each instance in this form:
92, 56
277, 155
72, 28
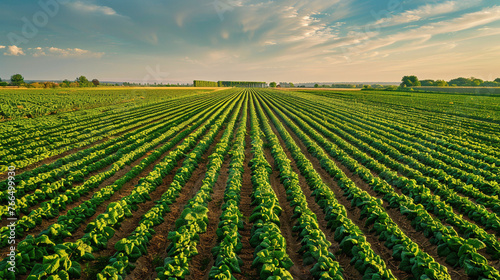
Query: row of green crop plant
413, 259
36, 138
315, 246
30, 180
464, 144
476, 212
22, 105
151, 136
433, 140
22, 156
468, 258
194, 218
227, 262
350, 237
99, 231
410, 187
430, 116
270, 256
426, 151
29, 130
72, 220
477, 172
425, 169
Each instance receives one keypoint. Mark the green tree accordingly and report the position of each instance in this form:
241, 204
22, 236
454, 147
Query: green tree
497, 80
462, 82
316, 85
17, 80
441, 83
477, 82
490, 84
95, 82
410, 81
83, 81
291, 85
272, 84
428, 83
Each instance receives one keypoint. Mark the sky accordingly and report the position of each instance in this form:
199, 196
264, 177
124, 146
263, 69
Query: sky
284, 41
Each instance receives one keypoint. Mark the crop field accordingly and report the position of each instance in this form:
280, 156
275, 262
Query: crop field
244, 183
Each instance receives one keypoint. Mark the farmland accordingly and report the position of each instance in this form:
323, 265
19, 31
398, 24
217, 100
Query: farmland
244, 183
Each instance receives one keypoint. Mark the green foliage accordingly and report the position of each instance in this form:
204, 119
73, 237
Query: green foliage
441, 83
428, 83
83, 81
17, 80
272, 84
410, 81
198, 83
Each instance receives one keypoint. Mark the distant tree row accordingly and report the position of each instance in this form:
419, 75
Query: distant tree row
413, 81
198, 83
18, 80
129, 84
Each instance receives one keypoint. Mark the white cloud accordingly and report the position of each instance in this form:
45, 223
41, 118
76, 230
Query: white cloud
65, 53
14, 51
424, 33
426, 11
91, 8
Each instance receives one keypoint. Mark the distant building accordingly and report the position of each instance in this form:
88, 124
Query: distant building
284, 85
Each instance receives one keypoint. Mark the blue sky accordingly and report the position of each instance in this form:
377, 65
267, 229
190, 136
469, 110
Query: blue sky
299, 41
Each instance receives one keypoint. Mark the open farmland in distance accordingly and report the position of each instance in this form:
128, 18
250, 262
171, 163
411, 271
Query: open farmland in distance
246, 183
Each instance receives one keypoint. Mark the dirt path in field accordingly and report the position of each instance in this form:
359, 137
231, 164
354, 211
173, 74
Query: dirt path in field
247, 252
146, 264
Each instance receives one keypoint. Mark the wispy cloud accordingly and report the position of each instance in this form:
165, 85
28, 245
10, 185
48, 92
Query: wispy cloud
426, 11
65, 53
86, 7
424, 33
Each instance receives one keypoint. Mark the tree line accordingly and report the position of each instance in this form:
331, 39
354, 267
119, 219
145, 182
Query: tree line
413, 81
199, 83
18, 80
